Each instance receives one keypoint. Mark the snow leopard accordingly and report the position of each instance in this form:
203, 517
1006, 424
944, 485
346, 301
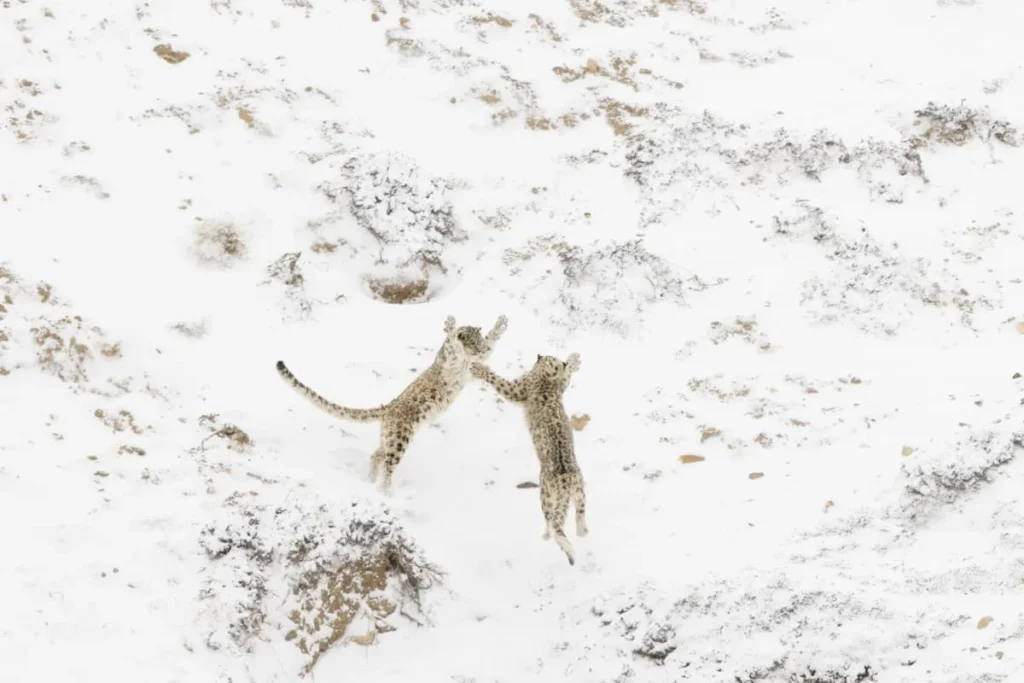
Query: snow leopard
424, 400
539, 393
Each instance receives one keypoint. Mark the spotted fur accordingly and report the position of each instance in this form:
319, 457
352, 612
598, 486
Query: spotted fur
426, 398
539, 392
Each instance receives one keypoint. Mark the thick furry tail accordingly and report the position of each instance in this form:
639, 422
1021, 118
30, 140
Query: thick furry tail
355, 414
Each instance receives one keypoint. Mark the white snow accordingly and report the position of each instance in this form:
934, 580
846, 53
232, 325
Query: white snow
785, 237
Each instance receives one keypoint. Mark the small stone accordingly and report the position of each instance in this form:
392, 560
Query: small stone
984, 622
527, 485
170, 55
755, 475
687, 459
907, 450
592, 66
366, 640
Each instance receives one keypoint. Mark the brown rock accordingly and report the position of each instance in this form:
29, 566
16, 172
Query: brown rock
578, 422
170, 55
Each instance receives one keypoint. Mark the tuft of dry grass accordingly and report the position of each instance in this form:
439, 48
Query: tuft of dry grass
286, 270
709, 433
324, 247
120, 422
492, 19
169, 54
195, 329
64, 358
111, 350
246, 116
218, 243
547, 27
237, 439
615, 114
398, 291
45, 292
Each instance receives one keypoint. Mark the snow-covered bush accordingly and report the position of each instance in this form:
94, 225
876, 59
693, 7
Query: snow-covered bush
945, 477
409, 213
218, 243
610, 285
38, 328
958, 125
311, 574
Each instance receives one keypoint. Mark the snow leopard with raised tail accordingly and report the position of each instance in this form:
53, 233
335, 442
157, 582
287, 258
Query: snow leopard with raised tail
426, 398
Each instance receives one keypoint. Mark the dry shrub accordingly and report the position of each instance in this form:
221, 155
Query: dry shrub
960, 124
343, 593
59, 354
324, 247
397, 291
120, 422
195, 329
235, 437
111, 350
408, 211
286, 270
62, 346
218, 243
337, 566
949, 475
708, 432
609, 285
492, 19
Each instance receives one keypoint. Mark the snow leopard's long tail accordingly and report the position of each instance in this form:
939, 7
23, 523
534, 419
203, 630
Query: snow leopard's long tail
355, 414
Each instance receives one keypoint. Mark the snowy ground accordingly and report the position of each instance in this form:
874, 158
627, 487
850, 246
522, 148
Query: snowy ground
785, 238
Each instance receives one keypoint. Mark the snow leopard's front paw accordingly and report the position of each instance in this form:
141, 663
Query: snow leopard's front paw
572, 363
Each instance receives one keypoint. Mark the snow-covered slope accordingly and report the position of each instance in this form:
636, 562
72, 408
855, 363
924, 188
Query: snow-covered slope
785, 238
